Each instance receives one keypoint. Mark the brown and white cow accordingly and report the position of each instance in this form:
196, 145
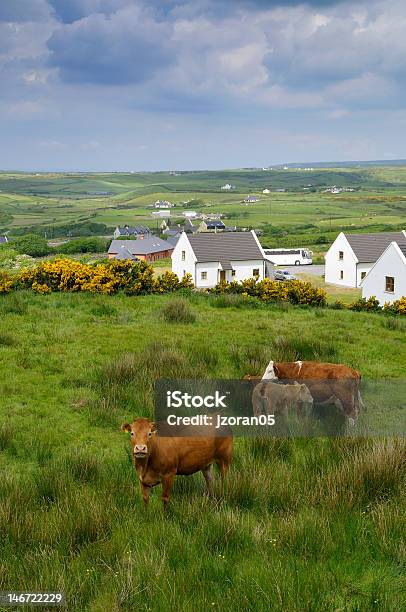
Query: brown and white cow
158, 459
329, 383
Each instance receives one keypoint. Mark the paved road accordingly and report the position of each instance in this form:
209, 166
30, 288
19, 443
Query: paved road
316, 270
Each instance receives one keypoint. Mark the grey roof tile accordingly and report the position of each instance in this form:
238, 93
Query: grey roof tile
142, 246
369, 247
237, 246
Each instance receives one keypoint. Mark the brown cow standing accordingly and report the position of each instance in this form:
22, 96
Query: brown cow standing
327, 382
159, 459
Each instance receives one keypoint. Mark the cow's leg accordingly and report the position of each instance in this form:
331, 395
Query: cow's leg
145, 490
167, 482
208, 476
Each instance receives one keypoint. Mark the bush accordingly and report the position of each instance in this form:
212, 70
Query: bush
83, 245
267, 290
178, 311
6, 282
33, 245
169, 281
397, 308
366, 305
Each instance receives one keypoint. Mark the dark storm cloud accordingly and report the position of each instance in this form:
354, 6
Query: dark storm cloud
126, 48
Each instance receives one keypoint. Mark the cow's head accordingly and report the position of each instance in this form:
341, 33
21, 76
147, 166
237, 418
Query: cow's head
142, 433
304, 395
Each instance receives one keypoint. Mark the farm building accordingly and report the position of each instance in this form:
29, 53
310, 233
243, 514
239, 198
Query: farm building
227, 187
147, 249
386, 280
250, 199
266, 191
138, 230
211, 258
351, 256
214, 225
3, 239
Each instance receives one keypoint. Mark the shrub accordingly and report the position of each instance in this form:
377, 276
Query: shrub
267, 290
6, 282
367, 305
83, 245
33, 245
178, 311
169, 281
397, 308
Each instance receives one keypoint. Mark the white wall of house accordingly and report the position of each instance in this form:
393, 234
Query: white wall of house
244, 269
341, 271
209, 269
183, 258
392, 263
362, 271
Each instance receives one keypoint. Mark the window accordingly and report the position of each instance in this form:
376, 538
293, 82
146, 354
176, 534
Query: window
255, 272
183, 255
341, 255
203, 275
341, 274
363, 275
389, 284
232, 272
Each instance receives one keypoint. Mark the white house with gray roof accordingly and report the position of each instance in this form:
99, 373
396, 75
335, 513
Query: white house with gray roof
211, 258
387, 278
351, 256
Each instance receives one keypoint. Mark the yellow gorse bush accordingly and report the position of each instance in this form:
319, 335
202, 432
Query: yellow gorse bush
67, 275
398, 307
267, 290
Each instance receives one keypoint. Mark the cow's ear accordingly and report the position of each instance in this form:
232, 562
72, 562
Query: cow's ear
276, 370
126, 427
154, 427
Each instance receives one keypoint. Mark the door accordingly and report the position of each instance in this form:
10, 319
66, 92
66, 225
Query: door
222, 275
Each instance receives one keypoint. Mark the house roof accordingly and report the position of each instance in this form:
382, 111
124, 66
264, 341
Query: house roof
214, 223
369, 247
142, 246
124, 253
403, 248
236, 246
138, 229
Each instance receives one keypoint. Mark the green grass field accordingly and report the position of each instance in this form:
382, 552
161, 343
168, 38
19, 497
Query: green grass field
304, 525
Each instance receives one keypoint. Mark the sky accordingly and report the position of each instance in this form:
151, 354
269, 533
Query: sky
132, 85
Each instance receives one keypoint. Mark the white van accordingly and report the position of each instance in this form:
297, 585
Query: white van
288, 257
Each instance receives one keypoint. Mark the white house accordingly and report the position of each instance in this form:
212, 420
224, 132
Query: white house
351, 256
211, 258
387, 278
227, 187
266, 191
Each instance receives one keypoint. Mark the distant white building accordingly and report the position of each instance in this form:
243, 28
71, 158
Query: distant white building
211, 258
190, 214
351, 256
387, 278
163, 204
227, 187
251, 199
266, 191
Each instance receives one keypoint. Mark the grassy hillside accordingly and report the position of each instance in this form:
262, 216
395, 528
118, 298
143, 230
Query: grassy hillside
304, 524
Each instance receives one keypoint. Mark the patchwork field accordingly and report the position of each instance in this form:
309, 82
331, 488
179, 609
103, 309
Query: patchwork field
303, 524
304, 214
